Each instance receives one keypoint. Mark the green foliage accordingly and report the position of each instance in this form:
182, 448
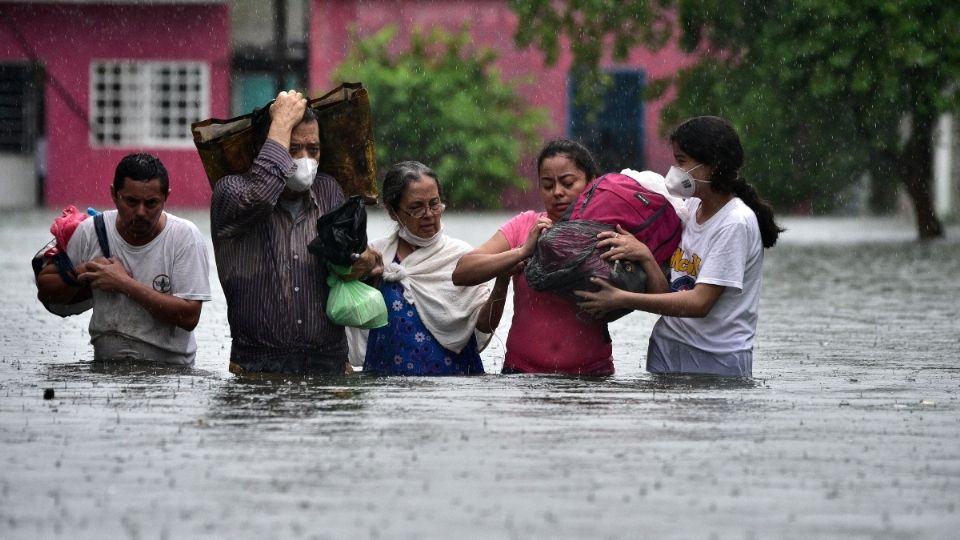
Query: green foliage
593, 27
818, 89
794, 166
445, 104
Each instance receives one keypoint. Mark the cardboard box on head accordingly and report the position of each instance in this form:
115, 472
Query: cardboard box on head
347, 151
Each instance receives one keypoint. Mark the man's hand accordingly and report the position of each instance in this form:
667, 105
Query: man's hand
82, 267
106, 274
110, 275
370, 264
285, 113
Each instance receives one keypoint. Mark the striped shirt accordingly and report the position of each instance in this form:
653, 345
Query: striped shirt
275, 289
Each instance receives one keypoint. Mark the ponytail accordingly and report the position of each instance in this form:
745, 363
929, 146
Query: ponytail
713, 141
769, 230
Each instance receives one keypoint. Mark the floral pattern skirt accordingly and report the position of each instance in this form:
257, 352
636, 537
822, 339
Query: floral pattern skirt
406, 347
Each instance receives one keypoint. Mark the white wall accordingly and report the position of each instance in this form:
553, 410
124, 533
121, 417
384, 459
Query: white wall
945, 167
18, 181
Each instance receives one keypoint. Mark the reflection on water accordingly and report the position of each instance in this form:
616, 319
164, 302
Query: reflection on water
849, 429
246, 401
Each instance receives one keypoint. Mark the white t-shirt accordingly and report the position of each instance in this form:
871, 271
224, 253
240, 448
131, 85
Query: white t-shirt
174, 262
725, 250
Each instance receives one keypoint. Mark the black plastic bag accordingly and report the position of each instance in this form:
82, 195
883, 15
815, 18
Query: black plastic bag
341, 233
567, 257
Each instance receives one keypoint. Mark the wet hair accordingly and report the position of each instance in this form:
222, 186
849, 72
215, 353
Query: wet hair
572, 150
712, 141
399, 176
261, 124
142, 168
309, 115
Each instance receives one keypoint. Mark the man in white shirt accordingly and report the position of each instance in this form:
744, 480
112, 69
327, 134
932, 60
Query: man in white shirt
148, 294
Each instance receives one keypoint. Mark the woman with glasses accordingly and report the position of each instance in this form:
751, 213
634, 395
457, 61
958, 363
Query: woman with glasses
547, 335
432, 322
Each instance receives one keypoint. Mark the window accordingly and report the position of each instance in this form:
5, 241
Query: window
616, 135
134, 103
20, 107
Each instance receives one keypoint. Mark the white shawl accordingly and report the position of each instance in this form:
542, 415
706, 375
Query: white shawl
448, 311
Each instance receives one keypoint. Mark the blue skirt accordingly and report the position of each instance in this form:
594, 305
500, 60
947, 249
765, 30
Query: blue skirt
405, 347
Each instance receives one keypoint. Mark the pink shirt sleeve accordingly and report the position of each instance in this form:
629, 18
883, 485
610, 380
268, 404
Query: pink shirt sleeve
518, 227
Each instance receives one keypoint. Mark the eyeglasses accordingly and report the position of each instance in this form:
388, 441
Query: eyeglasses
435, 208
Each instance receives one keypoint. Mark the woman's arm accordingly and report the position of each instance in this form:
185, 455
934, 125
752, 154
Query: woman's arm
492, 309
694, 303
494, 257
623, 245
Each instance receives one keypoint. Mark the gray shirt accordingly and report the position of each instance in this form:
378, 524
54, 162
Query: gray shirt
275, 289
175, 262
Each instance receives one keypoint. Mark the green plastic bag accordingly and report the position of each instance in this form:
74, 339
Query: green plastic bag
354, 303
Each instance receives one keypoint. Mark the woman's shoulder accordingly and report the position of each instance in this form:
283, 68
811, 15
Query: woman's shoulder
458, 245
738, 223
381, 244
518, 226
527, 217
741, 213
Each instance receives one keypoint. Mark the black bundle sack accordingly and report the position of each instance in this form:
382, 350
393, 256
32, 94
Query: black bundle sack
567, 257
341, 233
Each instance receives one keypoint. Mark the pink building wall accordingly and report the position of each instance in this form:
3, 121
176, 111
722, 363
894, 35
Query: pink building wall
67, 37
492, 24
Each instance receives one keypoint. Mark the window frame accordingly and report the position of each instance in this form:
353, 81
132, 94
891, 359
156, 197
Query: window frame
131, 93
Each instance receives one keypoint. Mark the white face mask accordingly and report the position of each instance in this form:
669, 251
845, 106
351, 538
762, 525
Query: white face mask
680, 183
415, 240
302, 178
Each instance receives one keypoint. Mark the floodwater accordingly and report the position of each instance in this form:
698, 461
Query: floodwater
850, 429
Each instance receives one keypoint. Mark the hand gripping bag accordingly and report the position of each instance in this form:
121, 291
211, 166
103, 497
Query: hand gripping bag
617, 199
341, 233
354, 303
566, 255
54, 252
341, 238
346, 135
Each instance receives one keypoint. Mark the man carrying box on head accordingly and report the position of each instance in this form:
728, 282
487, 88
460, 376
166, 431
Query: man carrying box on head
262, 222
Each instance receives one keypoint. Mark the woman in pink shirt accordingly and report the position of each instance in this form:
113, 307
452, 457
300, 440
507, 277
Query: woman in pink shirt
546, 335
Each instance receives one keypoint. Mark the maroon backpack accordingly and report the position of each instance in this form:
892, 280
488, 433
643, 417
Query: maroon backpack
616, 199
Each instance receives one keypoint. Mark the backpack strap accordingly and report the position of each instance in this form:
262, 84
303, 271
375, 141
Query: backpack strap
65, 266
101, 228
65, 269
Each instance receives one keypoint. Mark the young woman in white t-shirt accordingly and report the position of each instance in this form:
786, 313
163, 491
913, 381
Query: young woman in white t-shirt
710, 308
